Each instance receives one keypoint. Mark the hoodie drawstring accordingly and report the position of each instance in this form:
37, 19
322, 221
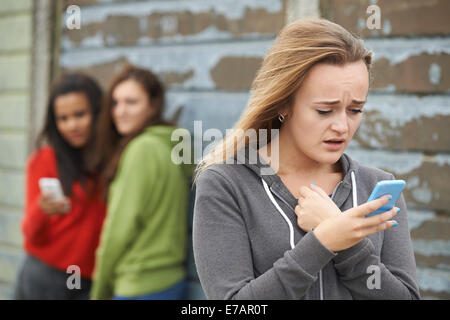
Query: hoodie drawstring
354, 193
291, 228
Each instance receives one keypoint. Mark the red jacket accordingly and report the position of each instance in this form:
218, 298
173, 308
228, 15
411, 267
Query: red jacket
64, 239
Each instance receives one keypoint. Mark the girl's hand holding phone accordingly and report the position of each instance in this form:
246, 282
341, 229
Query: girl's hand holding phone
54, 207
344, 231
338, 231
52, 199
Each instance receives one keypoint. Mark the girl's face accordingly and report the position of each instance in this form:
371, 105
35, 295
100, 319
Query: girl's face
131, 107
327, 110
73, 118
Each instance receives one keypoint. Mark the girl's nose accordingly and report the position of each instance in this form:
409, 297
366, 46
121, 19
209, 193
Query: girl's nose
340, 124
71, 123
119, 109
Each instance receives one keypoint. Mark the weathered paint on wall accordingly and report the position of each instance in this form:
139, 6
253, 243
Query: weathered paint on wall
405, 122
15, 64
157, 22
399, 17
197, 65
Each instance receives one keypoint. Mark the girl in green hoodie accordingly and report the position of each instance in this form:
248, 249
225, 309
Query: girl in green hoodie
143, 242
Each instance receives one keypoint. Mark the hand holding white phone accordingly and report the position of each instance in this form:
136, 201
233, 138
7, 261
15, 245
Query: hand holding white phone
52, 188
53, 199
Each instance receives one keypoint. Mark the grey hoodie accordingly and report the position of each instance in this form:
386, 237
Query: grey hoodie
242, 245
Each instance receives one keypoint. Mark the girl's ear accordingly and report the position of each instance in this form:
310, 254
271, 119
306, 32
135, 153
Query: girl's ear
287, 107
286, 112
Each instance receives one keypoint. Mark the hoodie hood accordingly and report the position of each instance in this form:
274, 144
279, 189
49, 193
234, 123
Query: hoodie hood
164, 134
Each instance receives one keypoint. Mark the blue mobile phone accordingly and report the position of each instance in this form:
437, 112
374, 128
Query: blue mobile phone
384, 187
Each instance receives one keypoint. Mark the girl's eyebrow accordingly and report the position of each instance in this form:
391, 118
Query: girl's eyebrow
332, 102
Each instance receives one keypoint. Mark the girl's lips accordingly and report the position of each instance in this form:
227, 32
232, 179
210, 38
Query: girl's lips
334, 145
76, 135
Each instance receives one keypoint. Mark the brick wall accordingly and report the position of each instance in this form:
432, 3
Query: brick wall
15, 57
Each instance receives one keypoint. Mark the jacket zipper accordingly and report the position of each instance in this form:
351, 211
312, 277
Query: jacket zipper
320, 272
335, 189
281, 198
320, 285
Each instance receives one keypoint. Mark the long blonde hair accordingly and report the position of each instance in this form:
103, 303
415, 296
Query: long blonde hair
298, 47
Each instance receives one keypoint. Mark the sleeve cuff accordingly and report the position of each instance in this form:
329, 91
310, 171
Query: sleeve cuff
310, 254
364, 244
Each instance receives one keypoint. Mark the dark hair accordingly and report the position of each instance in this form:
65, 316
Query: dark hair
71, 162
110, 144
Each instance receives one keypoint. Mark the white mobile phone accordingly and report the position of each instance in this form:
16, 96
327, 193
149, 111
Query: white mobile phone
51, 186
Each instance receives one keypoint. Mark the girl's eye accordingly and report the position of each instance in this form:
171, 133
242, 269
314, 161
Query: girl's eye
355, 111
80, 114
131, 101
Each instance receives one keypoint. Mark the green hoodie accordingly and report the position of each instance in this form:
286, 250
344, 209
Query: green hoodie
144, 237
